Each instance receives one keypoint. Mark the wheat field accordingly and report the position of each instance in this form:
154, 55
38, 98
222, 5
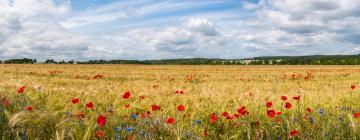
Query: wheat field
179, 102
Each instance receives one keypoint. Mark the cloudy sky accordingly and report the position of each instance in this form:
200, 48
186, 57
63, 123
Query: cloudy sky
157, 29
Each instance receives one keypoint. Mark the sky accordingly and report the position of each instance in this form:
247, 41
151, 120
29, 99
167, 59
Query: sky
165, 29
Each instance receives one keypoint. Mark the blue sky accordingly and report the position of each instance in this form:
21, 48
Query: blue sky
158, 29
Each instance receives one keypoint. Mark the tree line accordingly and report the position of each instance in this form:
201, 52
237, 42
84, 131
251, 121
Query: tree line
268, 60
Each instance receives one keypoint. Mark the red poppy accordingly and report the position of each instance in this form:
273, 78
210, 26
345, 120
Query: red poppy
101, 120
309, 110
75, 100
29, 108
126, 95
278, 113
5, 102
213, 118
242, 110
127, 105
99, 134
80, 115
294, 133
225, 114
288, 105
206, 133
142, 97
155, 107
170, 121
21, 89
356, 115
89, 105
283, 98
353, 86
180, 107
296, 97
269, 104
179, 92
271, 113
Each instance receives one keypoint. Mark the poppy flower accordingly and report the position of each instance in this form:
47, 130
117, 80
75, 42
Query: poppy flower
5, 102
99, 134
353, 86
155, 107
89, 105
127, 105
288, 105
213, 118
126, 95
356, 115
21, 89
180, 107
142, 97
29, 108
269, 104
75, 100
101, 120
293, 133
80, 115
242, 110
179, 92
170, 121
225, 114
271, 113
283, 98
309, 110
296, 97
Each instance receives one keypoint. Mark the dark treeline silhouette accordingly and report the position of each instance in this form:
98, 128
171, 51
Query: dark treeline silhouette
266, 60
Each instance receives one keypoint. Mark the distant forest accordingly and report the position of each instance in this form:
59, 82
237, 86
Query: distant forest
266, 60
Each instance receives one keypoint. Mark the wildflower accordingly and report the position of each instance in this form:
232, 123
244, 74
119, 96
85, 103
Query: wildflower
271, 113
296, 97
129, 129
198, 121
155, 107
225, 114
117, 136
99, 134
21, 89
311, 119
309, 110
5, 102
101, 120
179, 92
127, 105
242, 110
278, 113
170, 121
117, 129
75, 100
269, 104
288, 105
213, 118
283, 98
356, 115
133, 116
180, 107
126, 95
89, 105
353, 86
321, 111
29, 108
294, 133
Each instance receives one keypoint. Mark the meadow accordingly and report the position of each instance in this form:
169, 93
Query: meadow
179, 102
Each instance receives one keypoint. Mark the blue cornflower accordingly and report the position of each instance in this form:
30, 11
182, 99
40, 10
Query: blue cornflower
321, 111
117, 137
129, 129
133, 116
198, 121
311, 120
117, 129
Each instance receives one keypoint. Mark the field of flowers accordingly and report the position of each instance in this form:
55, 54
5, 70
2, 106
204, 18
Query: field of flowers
179, 102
